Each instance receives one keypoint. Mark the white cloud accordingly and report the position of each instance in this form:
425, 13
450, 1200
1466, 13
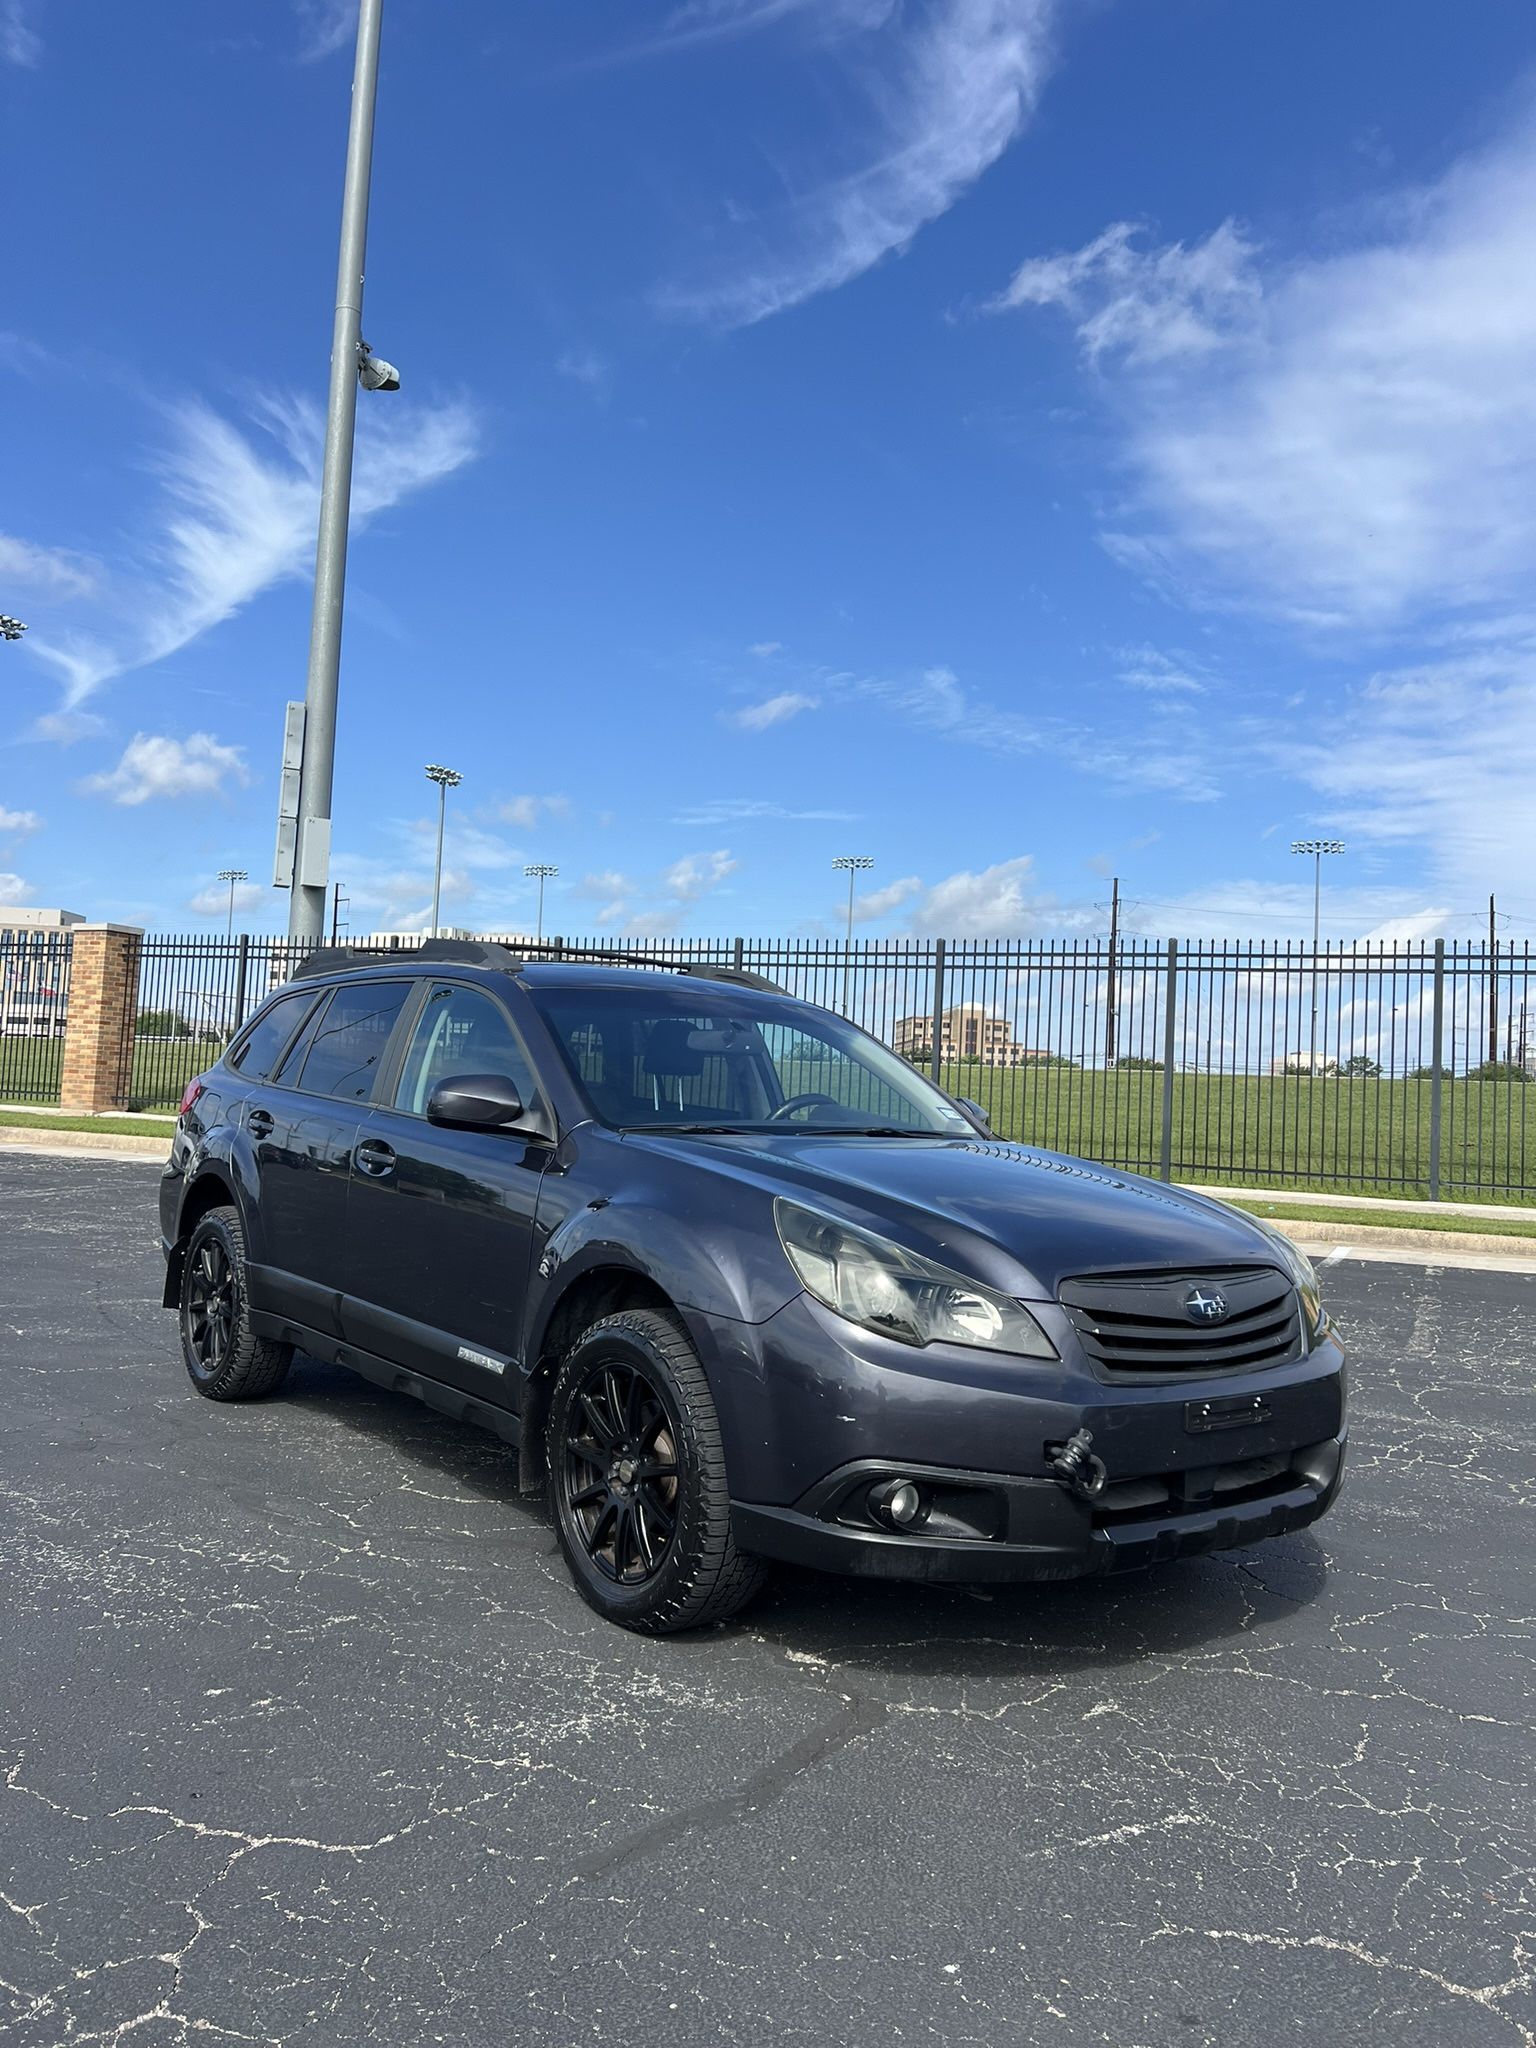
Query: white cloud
586, 367
526, 811
879, 903
652, 908
773, 710
1148, 669
1145, 305
697, 873
325, 26
17, 824
240, 515
1346, 439
996, 903
214, 900
19, 42
155, 766
13, 890
949, 88
733, 810
764, 648
53, 571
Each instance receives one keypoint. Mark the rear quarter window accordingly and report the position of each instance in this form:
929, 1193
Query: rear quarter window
256, 1056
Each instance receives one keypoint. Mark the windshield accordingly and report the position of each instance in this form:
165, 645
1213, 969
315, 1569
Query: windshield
702, 1057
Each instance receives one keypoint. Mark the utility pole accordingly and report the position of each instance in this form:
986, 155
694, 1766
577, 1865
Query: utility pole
1493, 985
1111, 995
306, 906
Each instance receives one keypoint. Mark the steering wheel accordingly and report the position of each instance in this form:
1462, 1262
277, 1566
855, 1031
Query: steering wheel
812, 1099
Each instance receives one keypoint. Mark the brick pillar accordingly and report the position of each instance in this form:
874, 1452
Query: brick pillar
103, 1003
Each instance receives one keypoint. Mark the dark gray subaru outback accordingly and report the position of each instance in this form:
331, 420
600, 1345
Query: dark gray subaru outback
737, 1283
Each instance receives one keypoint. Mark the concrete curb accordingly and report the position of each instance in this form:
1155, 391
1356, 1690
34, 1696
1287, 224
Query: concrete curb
1424, 1242
29, 1138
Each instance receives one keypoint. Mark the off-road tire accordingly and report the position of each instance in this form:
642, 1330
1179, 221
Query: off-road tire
701, 1576
242, 1366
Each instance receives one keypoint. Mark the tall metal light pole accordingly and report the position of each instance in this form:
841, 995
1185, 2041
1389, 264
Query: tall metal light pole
10, 629
856, 864
306, 907
232, 875
1317, 848
446, 779
541, 871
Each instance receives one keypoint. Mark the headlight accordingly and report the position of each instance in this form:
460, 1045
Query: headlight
1304, 1273
879, 1286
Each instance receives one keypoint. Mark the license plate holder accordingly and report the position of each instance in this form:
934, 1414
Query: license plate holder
1232, 1411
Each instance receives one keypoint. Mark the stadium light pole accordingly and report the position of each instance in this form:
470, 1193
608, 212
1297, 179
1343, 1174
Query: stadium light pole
541, 871
10, 629
232, 875
352, 363
856, 864
1317, 848
446, 779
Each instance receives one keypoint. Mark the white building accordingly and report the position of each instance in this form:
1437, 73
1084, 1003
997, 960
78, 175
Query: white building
34, 971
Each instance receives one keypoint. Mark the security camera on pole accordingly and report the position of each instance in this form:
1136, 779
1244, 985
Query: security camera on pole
309, 750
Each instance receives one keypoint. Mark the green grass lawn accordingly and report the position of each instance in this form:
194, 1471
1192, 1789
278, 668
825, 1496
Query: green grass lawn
1343, 1221
116, 1126
1326, 1135
162, 1067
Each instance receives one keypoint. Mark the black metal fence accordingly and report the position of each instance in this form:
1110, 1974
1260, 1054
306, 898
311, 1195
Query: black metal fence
34, 1008
1406, 1068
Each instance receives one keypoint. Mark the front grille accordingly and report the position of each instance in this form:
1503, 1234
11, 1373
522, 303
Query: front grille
1137, 1325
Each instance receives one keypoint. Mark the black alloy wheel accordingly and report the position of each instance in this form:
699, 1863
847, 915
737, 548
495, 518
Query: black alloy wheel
619, 1472
225, 1358
210, 1307
637, 1481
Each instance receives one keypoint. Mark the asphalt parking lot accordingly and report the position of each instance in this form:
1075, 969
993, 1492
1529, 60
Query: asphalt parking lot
307, 1738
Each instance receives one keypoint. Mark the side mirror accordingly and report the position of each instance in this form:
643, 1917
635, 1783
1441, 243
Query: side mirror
476, 1102
977, 1115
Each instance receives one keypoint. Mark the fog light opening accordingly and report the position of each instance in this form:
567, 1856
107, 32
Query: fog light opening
897, 1503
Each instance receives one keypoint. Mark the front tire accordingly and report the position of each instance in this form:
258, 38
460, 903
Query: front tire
225, 1359
637, 1481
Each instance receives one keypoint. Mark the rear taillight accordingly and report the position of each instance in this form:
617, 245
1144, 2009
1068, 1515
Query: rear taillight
189, 1100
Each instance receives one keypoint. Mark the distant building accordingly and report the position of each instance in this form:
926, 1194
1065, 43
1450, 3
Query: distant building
969, 1032
33, 972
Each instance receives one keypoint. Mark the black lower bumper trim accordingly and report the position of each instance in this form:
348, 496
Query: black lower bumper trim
1050, 1533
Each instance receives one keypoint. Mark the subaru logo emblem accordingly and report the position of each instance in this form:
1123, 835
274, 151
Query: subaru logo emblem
1204, 1308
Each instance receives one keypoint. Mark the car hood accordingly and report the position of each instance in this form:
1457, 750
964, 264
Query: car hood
989, 1207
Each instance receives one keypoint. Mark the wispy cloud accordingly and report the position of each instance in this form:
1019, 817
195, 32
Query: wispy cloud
1147, 668
214, 901
238, 515
773, 710
527, 811
654, 906
1344, 440
20, 43
18, 824
55, 572
325, 26
13, 889
949, 87
584, 366
154, 766
735, 810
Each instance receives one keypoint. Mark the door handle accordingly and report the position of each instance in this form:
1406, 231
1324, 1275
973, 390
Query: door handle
375, 1158
259, 1123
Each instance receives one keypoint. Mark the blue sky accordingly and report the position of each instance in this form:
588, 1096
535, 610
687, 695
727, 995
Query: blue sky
1023, 443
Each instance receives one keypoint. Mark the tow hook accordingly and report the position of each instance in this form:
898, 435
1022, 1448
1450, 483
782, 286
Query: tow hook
1075, 1465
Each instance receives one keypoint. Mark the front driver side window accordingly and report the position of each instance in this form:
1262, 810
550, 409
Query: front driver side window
460, 1031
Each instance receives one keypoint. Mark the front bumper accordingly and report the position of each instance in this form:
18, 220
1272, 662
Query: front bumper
1039, 1529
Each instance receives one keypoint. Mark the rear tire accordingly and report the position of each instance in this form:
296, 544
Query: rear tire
637, 1482
224, 1358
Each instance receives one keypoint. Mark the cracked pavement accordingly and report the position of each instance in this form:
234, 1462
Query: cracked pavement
304, 1735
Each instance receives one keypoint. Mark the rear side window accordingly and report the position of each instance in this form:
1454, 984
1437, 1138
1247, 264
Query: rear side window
352, 1040
259, 1052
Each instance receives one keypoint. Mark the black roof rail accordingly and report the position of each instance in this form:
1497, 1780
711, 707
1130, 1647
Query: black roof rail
703, 970
460, 952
